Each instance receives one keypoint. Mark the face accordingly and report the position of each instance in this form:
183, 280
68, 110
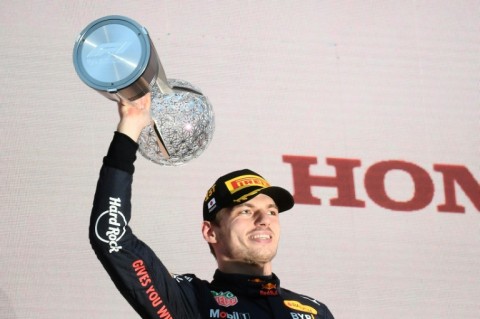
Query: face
249, 232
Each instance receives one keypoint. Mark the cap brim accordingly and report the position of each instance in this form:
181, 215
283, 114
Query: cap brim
282, 198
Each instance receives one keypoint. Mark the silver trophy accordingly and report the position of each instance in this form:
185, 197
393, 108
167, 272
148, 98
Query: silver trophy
115, 56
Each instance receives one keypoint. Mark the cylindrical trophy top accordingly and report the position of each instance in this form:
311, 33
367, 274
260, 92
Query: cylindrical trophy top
114, 53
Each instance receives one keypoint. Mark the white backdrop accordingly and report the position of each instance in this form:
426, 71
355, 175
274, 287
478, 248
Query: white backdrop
372, 81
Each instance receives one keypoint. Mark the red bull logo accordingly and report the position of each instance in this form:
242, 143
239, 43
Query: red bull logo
269, 289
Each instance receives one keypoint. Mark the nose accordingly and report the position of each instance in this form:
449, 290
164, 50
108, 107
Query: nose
263, 218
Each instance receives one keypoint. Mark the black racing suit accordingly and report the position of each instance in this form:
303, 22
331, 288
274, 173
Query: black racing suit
145, 282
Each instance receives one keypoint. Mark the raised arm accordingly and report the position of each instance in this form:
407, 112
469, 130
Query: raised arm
133, 267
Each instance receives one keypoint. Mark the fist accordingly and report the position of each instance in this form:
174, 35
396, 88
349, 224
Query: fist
134, 116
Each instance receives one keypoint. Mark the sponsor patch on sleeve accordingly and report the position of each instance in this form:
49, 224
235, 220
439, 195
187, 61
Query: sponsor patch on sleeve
293, 304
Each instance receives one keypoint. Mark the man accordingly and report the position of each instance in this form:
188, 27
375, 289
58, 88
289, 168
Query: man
241, 225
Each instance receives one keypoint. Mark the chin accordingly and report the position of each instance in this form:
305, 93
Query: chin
261, 259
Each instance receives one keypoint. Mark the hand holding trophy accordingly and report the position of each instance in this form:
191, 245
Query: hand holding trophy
115, 56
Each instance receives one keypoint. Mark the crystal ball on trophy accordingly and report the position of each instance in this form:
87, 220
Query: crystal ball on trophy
184, 120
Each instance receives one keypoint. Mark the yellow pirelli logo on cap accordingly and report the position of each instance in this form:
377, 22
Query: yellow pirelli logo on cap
293, 304
238, 183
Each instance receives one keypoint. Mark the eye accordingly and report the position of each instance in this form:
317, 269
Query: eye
273, 212
245, 211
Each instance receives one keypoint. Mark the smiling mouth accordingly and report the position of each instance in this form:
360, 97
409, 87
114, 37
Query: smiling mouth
261, 237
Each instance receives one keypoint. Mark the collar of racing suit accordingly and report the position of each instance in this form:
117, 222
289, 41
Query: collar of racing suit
247, 285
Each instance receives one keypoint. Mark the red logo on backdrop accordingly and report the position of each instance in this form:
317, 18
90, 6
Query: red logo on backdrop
225, 299
454, 178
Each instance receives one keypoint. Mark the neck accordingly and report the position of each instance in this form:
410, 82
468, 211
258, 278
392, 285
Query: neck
244, 268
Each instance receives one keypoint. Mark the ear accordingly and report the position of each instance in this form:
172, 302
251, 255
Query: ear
208, 232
